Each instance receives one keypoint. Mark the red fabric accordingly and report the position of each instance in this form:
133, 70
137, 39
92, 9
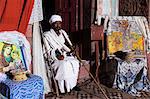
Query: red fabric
15, 14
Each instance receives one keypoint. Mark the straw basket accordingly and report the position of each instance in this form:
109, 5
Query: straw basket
20, 76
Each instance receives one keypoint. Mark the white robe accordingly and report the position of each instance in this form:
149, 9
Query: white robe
65, 71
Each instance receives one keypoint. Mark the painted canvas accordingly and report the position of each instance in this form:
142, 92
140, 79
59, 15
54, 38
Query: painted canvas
115, 42
125, 35
11, 56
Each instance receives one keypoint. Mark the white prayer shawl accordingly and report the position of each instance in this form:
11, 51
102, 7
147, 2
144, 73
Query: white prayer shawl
65, 70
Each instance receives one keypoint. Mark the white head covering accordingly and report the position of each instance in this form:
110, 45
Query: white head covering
55, 18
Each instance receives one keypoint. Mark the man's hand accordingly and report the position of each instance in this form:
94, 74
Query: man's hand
60, 57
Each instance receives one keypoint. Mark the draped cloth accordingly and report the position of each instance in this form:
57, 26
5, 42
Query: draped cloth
105, 9
131, 76
37, 12
15, 14
38, 59
65, 71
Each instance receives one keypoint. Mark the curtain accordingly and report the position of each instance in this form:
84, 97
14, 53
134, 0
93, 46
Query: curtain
15, 14
106, 8
38, 59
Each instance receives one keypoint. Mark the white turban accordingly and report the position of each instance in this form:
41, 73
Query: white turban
55, 18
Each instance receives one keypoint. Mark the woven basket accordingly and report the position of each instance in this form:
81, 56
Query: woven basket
20, 76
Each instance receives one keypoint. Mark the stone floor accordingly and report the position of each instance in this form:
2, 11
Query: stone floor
89, 90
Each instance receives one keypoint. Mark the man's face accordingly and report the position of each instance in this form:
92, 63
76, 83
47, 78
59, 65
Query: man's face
57, 25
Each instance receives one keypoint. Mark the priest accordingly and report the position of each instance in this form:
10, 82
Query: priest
58, 57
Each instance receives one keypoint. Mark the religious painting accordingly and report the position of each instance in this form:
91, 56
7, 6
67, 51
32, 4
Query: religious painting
125, 35
11, 56
115, 42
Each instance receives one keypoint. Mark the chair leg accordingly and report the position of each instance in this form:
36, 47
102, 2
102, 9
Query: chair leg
56, 87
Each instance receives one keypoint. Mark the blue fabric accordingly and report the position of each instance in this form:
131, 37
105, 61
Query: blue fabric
32, 88
131, 77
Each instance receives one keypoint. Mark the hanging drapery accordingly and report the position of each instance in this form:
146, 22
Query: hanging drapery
106, 8
15, 14
131, 76
37, 12
38, 60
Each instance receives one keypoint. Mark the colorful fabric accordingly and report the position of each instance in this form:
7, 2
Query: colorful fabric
15, 14
131, 76
106, 8
32, 88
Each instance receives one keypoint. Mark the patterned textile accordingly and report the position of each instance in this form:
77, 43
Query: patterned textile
106, 8
37, 12
131, 76
32, 88
115, 95
89, 90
